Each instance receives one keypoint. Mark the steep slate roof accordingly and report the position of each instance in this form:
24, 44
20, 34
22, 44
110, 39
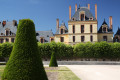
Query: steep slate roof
104, 23
45, 34
88, 14
118, 31
9, 25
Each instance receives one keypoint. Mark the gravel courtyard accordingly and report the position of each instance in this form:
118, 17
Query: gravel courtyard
96, 72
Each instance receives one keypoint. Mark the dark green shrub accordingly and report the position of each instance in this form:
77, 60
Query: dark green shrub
25, 62
5, 49
53, 61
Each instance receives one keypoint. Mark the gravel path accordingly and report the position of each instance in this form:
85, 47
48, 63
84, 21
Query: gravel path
96, 72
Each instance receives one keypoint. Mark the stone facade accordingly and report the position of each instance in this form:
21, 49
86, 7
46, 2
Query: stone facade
83, 27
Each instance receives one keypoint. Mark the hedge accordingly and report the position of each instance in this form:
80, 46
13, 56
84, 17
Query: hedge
98, 50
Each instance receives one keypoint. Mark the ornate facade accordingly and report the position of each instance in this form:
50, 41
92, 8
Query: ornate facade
83, 27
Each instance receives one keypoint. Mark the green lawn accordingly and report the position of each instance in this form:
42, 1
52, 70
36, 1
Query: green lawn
63, 73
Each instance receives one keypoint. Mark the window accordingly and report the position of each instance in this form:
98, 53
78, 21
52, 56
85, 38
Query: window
104, 29
7, 40
73, 28
1, 40
82, 17
82, 38
61, 31
104, 38
82, 28
73, 38
91, 38
52, 39
7, 32
62, 39
91, 28
12, 40
42, 40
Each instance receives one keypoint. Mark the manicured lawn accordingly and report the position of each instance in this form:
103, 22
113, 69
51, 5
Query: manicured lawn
60, 73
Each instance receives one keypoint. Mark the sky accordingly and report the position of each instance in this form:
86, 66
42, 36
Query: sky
45, 12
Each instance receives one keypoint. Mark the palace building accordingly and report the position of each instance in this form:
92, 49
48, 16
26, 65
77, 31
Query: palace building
82, 27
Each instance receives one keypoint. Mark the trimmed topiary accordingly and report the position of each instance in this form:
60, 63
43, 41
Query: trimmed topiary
25, 62
53, 62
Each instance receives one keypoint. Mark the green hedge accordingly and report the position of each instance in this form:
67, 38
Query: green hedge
82, 50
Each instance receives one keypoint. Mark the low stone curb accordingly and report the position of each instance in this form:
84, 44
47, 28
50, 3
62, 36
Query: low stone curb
84, 62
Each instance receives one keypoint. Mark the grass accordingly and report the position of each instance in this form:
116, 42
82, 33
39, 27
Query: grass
66, 74
63, 73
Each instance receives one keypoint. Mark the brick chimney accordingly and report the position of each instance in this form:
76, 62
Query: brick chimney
4, 23
57, 24
110, 19
96, 11
70, 12
75, 7
89, 6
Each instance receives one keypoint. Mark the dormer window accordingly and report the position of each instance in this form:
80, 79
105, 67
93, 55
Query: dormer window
82, 17
41, 40
104, 29
61, 31
73, 19
7, 32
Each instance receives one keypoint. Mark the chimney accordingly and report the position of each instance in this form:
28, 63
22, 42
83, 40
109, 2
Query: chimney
75, 7
70, 12
110, 19
96, 11
89, 6
57, 24
4, 23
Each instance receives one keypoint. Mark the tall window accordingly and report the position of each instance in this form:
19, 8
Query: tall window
73, 38
91, 38
91, 28
7, 40
82, 28
104, 38
62, 39
82, 38
82, 17
1, 40
73, 28
7, 32
104, 29
12, 40
61, 31
42, 40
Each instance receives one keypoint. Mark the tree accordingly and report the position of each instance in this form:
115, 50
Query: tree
25, 62
53, 62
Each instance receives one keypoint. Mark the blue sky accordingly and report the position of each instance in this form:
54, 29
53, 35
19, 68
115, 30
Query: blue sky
45, 12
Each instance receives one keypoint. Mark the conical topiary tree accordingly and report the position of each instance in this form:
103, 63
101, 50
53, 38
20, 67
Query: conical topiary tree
25, 62
53, 61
